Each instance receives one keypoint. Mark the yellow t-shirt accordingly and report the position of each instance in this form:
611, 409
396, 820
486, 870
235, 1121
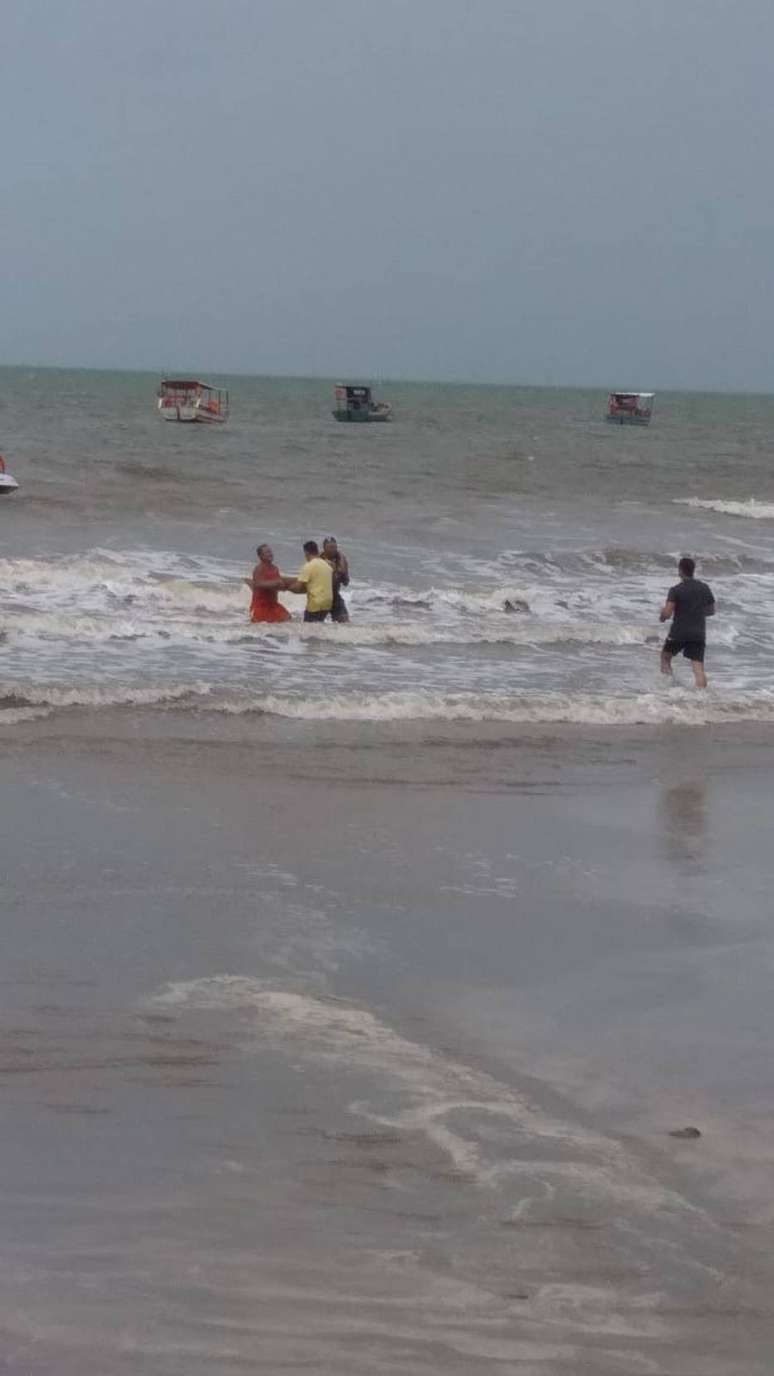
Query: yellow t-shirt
318, 577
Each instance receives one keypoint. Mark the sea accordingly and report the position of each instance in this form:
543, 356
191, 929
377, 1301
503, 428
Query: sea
509, 552
390, 997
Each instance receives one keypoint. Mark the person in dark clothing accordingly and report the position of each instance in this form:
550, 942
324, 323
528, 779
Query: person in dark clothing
340, 567
688, 605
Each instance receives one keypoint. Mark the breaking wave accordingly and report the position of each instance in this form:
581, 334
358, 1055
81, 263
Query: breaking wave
759, 511
136, 629
516, 629
673, 705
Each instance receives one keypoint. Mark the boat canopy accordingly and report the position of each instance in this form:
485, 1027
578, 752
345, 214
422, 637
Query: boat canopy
631, 396
177, 384
352, 393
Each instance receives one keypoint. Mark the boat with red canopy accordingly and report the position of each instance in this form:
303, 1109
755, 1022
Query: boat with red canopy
630, 408
187, 399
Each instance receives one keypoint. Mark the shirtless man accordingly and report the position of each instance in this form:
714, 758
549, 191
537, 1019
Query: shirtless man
265, 583
338, 563
688, 605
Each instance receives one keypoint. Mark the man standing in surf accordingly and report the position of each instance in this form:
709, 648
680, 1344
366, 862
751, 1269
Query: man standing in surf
688, 605
340, 566
265, 583
315, 579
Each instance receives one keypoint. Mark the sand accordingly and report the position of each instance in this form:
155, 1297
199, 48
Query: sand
325, 1049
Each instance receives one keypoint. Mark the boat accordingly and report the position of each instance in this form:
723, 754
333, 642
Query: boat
630, 408
7, 482
187, 399
357, 404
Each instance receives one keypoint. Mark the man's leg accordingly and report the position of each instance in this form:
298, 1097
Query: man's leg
666, 662
699, 676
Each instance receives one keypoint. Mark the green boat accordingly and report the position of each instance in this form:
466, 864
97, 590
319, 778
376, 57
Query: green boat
357, 404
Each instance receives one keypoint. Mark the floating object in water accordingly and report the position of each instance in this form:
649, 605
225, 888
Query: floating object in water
186, 399
630, 408
7, 482
357, 404
686, 1134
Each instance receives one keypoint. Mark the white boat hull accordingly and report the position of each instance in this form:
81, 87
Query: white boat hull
190, 415
7, 484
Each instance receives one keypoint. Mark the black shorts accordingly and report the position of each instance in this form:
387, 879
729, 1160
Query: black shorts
692, 649
339, 609
315, 616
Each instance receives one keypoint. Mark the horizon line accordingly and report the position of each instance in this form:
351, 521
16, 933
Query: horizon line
385, 380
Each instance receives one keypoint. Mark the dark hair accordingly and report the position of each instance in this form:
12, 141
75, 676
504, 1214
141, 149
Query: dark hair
265, 545
311, 547
687, 566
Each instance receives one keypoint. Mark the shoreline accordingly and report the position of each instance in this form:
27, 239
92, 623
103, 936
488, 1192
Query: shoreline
281, 737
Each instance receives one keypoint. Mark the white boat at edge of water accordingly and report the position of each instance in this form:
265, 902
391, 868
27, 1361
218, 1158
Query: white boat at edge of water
8, 483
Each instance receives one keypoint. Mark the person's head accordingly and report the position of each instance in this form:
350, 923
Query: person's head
330, 547
264, 554
686, 567
310, 549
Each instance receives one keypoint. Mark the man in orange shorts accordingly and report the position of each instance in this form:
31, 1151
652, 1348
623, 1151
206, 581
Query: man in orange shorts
265, 583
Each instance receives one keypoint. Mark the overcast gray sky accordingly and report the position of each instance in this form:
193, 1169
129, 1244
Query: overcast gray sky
548, 191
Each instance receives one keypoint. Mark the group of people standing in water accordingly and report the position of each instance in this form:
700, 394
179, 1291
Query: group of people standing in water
320, 579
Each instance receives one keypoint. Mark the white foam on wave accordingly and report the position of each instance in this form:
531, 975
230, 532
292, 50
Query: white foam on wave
49, 696
676, 706
758, 511
14, 716
503, 631
166, 616
516, 629
653, 709
443, 1100
162, 576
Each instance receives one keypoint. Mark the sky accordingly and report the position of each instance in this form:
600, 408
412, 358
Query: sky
552, 192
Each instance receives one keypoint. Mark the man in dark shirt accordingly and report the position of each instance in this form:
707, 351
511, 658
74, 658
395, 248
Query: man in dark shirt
688, 605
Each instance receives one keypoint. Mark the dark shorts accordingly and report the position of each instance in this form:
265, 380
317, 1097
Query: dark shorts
339, 609
692, 649
315, 616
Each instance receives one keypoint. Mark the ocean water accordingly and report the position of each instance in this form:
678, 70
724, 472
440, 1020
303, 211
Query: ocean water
123, 552
356, 978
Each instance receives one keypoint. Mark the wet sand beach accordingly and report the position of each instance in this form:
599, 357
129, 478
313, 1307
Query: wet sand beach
328, 1048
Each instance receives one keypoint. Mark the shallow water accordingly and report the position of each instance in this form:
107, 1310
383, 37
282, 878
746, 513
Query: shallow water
124, 550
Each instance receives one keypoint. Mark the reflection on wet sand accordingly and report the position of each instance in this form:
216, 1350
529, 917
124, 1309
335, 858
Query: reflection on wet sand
683, 817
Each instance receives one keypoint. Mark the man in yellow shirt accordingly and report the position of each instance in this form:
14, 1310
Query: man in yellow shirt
315, 578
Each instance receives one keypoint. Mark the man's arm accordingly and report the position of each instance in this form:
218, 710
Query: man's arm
269, 584
667, 611
297, 585
343, 571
